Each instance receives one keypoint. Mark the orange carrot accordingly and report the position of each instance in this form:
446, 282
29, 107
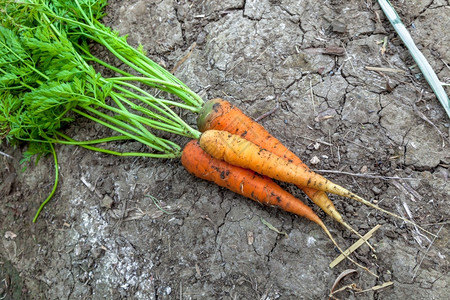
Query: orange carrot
243, 181
222, 115
248, 184
243, 153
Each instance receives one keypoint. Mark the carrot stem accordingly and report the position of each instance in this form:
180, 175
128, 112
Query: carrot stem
55, 185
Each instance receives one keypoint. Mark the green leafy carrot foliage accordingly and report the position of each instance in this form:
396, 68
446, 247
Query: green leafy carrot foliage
47, 80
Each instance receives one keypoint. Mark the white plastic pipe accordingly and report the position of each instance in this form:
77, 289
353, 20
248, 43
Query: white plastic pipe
420, 60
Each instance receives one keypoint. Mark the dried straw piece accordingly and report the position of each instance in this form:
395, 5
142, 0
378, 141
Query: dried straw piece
353, 247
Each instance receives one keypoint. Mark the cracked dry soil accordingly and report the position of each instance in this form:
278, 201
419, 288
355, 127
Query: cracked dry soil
112, 242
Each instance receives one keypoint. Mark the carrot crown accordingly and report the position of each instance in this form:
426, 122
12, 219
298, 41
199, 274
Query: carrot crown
211, 110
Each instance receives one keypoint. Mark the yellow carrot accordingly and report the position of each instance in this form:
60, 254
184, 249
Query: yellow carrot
243, 153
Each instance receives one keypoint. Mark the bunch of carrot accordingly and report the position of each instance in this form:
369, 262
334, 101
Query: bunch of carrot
238, 153
231, 136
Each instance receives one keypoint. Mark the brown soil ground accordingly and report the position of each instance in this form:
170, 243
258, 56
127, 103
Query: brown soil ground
332, 111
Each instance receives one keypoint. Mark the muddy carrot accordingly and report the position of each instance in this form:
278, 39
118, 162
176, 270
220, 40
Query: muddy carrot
248, 184
221, 115
243, 153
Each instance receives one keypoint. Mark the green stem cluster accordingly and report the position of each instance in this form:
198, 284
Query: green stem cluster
45, 80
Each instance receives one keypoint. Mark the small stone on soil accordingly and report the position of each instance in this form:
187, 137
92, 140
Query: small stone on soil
387, 277
98, 252
107, 202
314, 160
376, 190
338, 26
